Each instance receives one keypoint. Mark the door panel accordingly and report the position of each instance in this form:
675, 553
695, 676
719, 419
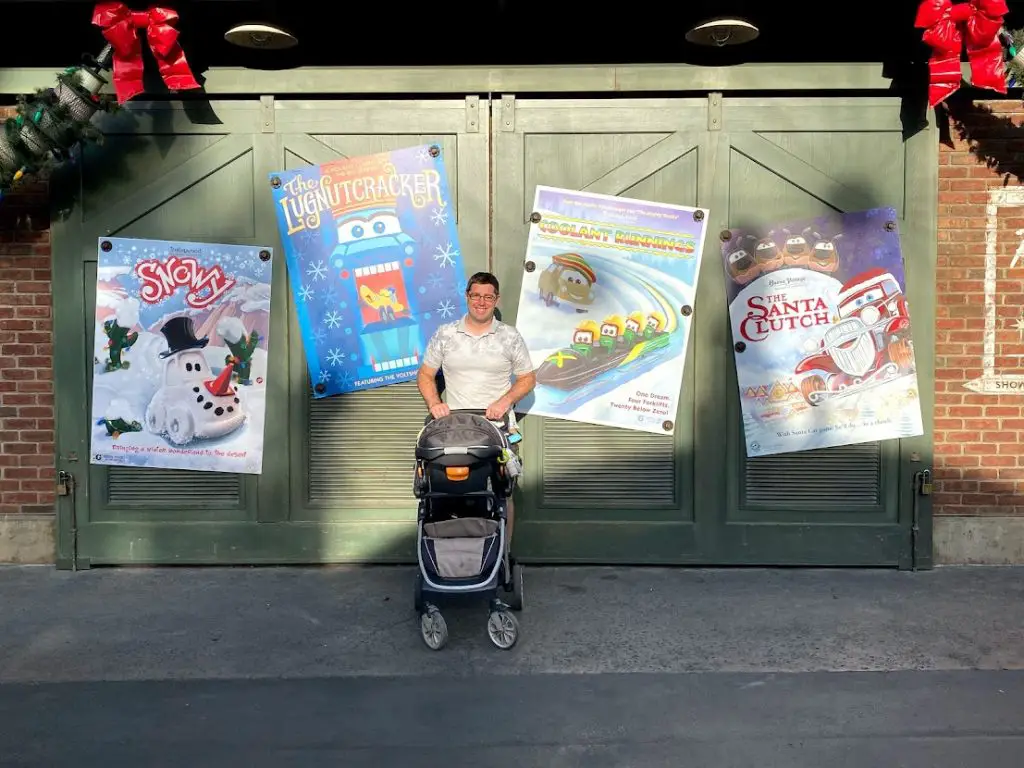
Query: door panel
351, 455
595, 493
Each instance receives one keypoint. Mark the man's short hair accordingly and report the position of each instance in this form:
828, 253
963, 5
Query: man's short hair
483, 278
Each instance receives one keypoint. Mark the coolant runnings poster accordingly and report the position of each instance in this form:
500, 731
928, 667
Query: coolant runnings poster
606, 305
180, 354
822, 335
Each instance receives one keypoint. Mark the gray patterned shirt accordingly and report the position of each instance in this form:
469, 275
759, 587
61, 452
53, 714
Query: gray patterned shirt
477, 369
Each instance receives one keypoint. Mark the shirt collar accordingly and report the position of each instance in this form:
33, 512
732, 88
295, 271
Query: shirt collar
463, 329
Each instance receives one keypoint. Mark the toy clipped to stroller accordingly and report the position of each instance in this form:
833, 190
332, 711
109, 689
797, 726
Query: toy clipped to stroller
465, 474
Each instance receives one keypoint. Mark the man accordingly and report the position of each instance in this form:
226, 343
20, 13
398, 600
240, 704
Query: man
478, 356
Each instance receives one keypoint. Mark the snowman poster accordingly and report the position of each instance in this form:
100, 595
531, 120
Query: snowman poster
180, 349
821, 333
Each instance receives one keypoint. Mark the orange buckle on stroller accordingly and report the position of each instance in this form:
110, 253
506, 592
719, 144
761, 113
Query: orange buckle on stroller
456, 473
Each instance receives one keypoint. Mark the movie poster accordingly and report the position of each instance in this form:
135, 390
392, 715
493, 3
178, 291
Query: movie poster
374, 264
180, 354
606, 306
822, 335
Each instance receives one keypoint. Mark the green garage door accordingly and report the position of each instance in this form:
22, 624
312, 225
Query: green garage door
601, 494
336, 486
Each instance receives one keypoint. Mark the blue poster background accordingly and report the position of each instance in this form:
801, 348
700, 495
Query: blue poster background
374, 263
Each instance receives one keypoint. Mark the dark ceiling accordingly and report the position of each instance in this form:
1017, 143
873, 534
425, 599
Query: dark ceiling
497, 32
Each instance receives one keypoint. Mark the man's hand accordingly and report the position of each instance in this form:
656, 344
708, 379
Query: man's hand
498, 409
440, 410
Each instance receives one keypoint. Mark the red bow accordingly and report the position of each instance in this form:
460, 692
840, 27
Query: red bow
947, 26
121, 27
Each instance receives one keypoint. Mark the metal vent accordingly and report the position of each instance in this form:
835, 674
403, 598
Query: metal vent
176, 488
585, 465
839, 477
362, 446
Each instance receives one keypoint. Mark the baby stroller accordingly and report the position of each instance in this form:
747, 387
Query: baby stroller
465, 474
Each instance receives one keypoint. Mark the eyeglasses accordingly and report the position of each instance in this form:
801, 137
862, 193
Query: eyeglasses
487, 298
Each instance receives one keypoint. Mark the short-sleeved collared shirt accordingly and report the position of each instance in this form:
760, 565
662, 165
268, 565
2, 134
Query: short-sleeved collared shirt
477, 369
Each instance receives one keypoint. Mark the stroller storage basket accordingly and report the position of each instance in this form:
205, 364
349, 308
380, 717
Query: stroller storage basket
463, 548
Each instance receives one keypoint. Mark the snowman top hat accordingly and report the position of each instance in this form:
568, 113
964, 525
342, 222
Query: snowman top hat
181, 335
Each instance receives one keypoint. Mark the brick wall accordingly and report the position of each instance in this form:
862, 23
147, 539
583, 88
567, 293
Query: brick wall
979, 467
27, 459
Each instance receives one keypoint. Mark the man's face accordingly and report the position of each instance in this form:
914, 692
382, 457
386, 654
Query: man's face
481, 299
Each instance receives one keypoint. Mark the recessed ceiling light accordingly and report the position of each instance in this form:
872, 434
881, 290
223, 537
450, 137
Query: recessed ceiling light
723, 31
264, 36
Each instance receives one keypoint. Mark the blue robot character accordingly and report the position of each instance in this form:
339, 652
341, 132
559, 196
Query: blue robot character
375, 258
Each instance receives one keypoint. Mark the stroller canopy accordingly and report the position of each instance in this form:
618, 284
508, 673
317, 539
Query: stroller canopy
460, 433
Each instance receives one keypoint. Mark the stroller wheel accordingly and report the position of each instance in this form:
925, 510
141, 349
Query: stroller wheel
515, 586
433, 629
503, 629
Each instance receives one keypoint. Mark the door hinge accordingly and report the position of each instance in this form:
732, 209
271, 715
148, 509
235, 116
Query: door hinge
508, 113
714, 111
472, 114
267, 120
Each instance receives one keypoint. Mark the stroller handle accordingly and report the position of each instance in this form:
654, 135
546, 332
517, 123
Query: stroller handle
504, 420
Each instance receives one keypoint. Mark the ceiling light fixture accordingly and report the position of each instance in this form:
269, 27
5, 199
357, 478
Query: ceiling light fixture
723, 31
261, 36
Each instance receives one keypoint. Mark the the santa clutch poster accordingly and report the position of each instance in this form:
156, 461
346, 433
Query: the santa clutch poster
821, 332
180, 355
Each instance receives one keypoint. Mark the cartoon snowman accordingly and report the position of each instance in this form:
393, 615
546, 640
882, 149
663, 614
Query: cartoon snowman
191, 404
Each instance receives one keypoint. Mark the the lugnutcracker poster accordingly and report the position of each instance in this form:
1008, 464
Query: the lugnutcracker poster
373, 261
822, 334
606, 305
180, 354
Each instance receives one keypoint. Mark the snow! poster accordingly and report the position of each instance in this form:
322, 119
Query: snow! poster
606, 305
374, 263
821, 330
180, 355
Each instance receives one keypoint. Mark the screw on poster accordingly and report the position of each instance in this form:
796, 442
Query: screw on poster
373, 261
606, 306
181, 339
822, 334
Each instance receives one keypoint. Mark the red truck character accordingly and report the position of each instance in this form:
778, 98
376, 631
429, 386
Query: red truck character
868, 345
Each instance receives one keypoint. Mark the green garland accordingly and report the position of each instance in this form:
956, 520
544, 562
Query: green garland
1015, 65
50, 123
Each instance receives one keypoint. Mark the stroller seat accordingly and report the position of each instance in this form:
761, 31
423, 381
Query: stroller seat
462, 455
462, 548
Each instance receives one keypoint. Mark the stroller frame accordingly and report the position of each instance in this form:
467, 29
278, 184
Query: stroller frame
502, 625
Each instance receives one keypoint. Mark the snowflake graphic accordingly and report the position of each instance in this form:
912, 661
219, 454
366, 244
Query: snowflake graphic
319, 335
435, 281
446, 308
305, 293
324, 377
445, 255
335, 356
345, 380
126, 259
257, 268
440, 215
317, 271
333, 319
423, 155
332, 295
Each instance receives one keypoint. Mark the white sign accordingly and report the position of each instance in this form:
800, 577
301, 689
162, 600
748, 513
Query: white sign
991, 382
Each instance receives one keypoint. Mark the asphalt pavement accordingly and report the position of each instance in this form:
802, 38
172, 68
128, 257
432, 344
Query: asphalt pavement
615, 667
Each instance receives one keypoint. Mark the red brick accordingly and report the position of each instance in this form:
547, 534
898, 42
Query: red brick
26, 352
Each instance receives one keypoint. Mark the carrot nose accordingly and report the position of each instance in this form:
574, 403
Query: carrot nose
222, 384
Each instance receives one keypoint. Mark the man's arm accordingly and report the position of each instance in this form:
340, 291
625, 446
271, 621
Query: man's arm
426, 378
426, 383
526, 379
